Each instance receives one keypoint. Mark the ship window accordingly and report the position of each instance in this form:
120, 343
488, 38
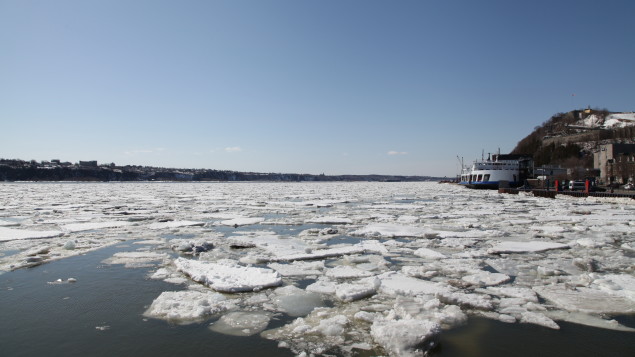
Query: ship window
486, 178
479, 178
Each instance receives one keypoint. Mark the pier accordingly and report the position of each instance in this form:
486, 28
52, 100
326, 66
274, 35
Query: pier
553, 193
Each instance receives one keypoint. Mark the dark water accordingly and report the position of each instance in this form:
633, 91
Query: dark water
42, 319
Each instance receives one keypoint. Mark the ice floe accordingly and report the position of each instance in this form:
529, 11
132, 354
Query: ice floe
7, 234
228, 276
340, 267
188, 306
241, 323
173, 224
330, 220
405, 337
390, 230
525, 247
78, 227
137, 259
296, 302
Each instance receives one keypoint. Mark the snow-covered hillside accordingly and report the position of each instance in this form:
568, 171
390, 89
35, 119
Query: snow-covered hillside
611, 121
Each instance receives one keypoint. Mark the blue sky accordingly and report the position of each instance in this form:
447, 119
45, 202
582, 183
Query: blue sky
334, 87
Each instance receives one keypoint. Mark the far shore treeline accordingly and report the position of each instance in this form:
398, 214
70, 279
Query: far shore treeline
55, 170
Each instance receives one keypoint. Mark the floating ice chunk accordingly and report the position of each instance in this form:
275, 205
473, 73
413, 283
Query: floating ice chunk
472, 233
4, 223
242, 221
333, 326
187, 306
150, 242
348, 292
515, 292
7, 234
296, 302
367, 316
322, 330
525, 247
550, 231
506, 318
617, 284
421, 272
228, 275
323, 286
485, 278
408, 219
417, 307
169, 276
372, 246
429, 254
590, 243
538, 319
69, 245
273, 244
173, 224
242, 323
405, 337
298, 268
136, 259
345, 271
586, 319
60, 281
393, 283
586, 299
388, 230
329, 220
191, 246
474, 301
322, 253
38, 250
78, 227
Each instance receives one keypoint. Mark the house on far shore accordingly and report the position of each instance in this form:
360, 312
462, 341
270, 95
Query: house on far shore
616, 163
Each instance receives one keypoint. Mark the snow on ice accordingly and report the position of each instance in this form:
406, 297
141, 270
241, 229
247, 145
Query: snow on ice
381, 267
187, 306
7, 234
228, 275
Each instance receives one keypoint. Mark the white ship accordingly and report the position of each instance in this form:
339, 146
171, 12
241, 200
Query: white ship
497, 171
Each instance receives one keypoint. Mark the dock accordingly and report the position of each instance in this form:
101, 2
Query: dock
553, 193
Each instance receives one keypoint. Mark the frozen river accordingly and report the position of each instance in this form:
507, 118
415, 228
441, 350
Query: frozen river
345, 269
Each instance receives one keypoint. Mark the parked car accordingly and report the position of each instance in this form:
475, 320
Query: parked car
628, 186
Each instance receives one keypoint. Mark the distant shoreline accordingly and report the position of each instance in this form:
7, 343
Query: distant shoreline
31, 171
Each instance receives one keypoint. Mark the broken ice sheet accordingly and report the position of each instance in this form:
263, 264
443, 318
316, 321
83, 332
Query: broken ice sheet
586, 299
78, 227
137, 259
228, 275
590, 253
299, 268
7, 234
241, 323
525, 247
187, 306
296, 302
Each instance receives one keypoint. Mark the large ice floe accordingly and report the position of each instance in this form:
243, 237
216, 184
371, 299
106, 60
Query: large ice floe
343, 268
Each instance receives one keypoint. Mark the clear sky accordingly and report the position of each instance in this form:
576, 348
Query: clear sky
334, 87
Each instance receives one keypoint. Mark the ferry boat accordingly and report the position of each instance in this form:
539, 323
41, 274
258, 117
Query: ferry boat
497, 171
